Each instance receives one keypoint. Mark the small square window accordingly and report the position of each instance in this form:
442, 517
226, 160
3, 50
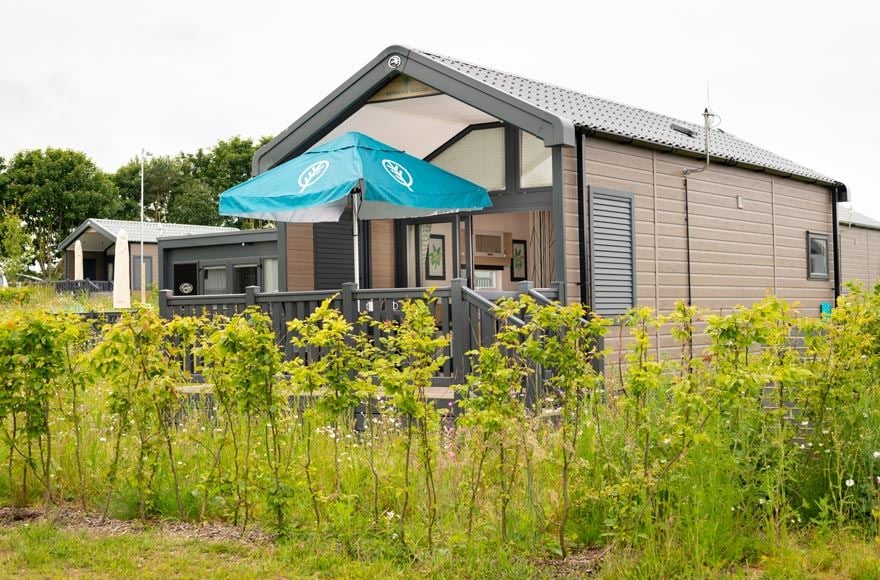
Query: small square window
817, 256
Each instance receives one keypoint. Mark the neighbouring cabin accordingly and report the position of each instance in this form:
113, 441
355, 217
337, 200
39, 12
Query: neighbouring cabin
219, 263
98, 240
859, 248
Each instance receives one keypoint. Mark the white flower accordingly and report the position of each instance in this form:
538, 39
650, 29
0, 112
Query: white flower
389, 515
876, 454
850, 482
103, 439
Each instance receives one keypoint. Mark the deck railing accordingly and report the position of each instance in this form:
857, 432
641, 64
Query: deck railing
83, 286
465, 315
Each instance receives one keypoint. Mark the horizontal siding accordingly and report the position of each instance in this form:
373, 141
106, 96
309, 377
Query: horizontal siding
300, 257
382, 253
860, 255
571, 224
738, 256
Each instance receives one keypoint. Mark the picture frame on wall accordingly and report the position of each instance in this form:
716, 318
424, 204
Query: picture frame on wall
519, 267
435, 257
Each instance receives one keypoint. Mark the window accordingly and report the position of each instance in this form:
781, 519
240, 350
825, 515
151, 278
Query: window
214, 279
817, 256
486, 279
136, 271
612, 249
478, 156
536, 165
243, 275
270, 275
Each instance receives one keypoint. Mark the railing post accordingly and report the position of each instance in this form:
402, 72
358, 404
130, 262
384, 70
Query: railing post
348, 303
250, 296
164, 309
460, 331
525, 286
560, 290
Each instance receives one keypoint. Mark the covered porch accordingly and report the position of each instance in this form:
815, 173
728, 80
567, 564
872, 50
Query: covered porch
492, 250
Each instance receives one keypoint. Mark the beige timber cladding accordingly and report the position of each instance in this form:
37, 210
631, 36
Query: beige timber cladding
382, 253
859, 254
570, 218
738, 256
300, 257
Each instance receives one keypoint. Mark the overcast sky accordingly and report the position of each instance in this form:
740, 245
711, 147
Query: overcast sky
799, 78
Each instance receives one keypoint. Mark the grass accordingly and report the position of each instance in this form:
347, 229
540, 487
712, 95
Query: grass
44, 550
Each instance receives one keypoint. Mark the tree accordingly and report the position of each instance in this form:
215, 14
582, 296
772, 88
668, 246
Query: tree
55, 190
226, 164
15, 246
194, 203
164, 176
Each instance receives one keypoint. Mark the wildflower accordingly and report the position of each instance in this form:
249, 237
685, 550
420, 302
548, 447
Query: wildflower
876, 454
389, 515
103, 439
850, 482
804, 423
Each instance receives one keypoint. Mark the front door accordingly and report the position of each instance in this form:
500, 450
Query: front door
90, 269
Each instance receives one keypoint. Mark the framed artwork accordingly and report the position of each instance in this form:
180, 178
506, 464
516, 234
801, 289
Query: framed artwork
435, 258
518, 264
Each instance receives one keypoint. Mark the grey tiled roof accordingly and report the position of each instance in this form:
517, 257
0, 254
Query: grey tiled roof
622, 120
151, 231
854, 218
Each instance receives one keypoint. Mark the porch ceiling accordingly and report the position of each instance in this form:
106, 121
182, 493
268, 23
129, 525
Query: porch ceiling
93, 241
417, 125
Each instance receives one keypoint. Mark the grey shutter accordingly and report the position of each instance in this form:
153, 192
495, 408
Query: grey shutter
612, 245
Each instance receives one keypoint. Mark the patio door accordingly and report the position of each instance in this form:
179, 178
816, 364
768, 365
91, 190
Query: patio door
434, 251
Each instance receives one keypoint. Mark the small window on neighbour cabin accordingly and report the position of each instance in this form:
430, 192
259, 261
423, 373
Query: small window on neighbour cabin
136, 271
612, 249
270, 275
817, 256
536, 165
478, 156
214, 279
243, 275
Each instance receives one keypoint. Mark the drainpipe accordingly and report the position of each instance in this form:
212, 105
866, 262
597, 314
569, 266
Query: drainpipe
835, 250
687, 214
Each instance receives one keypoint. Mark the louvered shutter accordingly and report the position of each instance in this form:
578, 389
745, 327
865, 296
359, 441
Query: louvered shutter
612, 243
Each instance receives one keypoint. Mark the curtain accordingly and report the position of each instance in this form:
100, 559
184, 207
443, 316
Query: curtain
541, 256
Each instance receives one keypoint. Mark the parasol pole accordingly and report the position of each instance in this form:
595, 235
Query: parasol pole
355, 210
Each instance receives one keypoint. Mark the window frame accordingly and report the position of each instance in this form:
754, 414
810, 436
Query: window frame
136, 271
826, 238
512, 157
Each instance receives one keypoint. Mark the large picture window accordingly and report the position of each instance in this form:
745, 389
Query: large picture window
536, 164
817, 256
478, 156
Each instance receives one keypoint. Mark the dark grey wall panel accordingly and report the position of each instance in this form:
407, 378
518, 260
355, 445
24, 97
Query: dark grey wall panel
612, 243
334, 253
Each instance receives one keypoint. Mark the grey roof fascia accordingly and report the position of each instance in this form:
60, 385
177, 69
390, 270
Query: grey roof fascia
318, 121
79, 231
330, 111
218, 239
